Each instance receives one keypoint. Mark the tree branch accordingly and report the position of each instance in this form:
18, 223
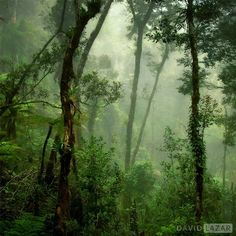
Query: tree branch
29, 67
31, 102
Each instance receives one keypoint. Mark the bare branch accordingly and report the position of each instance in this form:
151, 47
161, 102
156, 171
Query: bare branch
37, 56
31, 102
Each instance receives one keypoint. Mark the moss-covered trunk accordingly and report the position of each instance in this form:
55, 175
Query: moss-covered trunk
198, 148
69, 110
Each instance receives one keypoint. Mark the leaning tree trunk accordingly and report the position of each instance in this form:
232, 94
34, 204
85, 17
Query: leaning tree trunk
84, 57
41, 169
68, 108
92, 37
198, 148
129, 131
139, 46
164, 58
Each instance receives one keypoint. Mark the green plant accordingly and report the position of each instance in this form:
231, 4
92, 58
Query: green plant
26, 224
99, 186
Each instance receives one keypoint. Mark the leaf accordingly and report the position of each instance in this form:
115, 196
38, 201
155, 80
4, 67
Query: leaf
3, 77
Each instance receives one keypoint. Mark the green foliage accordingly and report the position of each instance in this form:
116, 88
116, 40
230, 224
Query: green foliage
186, 87
3, 77
26, 224
94, 87
172, 203
139, 180
209, 112
8, 149
172, 27
138, 189
227, 77
99, 185
167, 230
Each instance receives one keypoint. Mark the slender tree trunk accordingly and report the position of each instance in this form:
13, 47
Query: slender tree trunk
84, 57
224, 165
68, 108
225, 147
139, 46
129, 131
41, 169
49, 175
164, 58
92, 37
198, 148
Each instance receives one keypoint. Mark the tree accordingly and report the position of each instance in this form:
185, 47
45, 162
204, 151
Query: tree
197, 20
63, 204
22, 77
141, 13
159, 70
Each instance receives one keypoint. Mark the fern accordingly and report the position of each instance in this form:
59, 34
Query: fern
27, 225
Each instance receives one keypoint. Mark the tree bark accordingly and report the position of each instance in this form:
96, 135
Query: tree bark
198, 148
68, 108
139, 46
164, 58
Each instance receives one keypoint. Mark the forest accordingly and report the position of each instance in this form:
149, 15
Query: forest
117, 117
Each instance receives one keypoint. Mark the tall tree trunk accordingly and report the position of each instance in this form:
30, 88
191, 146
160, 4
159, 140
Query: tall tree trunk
164, 58
129, 131
139, 46
198, 148
68, 108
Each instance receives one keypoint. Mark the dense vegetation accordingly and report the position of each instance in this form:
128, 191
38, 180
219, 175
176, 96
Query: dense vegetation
117, 117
